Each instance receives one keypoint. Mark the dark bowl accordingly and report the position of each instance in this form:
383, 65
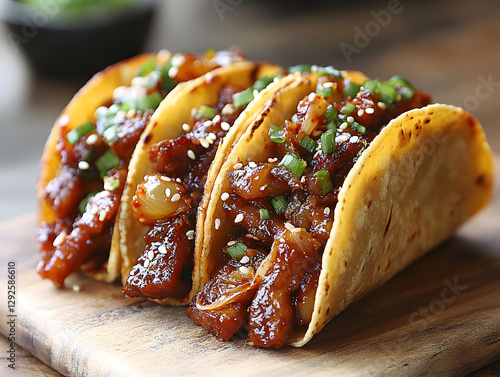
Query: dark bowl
61, 46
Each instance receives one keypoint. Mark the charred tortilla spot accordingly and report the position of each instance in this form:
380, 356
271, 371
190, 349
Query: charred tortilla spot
388, 265
480, 181
148, 138
327, 310
427, 120
388, 222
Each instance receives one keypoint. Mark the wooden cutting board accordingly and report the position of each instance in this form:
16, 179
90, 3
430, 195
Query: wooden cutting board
440, 316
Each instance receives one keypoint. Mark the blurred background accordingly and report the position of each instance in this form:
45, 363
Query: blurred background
49, 48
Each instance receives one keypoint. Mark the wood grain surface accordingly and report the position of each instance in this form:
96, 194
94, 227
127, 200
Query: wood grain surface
440, 317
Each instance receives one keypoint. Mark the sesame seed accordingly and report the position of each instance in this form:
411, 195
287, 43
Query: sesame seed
361, 112
238, 165
228, 109
117, 93
92, 139
370, 110
204, 143
326, 211
248, 235
178, 180
244, 270
217, 224
172, 72
131, 113
190, 234
296, 230
178, 60
212, 136
252, 164
238, 218
303, 179
83, 165
317, 133
231, 243
311, 96
224, 196
102, 215
167, 192
207, 123
146, 263
162, 249
176, 197
166, 179
289, 226
76, 288
382, 105
216, 119
102, 194
163, 54
186, 127
59, 240
194, 110
350, 119
314, 68
64, 120
191, 154
94, 210
151, 254
344, 125
328, 84
263, 187
272, 159
244, 259
343, 138
225, 126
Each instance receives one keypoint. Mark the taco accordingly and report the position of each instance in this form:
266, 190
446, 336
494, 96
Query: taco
168, 177
84, 164
339, 184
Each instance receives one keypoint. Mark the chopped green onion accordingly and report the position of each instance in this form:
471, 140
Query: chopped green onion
294, 164
279, 204
148, 102
302, 68
262, 83
308, 144
243, 98
111, 185
77, 133
277, 134
332, 125
324, 180
264, 214
402, 86
388, 94
110, 136
358, 127
331, 113
350, 88
365, 144
206, 112
237, 250
107, 162
168, 82
146, 68
348, 108
328, 144
329, 71
325, 92
85, 200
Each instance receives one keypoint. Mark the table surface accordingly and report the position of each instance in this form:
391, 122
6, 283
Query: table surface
448, 48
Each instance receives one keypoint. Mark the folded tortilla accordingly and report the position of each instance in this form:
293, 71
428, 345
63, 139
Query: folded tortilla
168, 125
426, 172
152, 76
